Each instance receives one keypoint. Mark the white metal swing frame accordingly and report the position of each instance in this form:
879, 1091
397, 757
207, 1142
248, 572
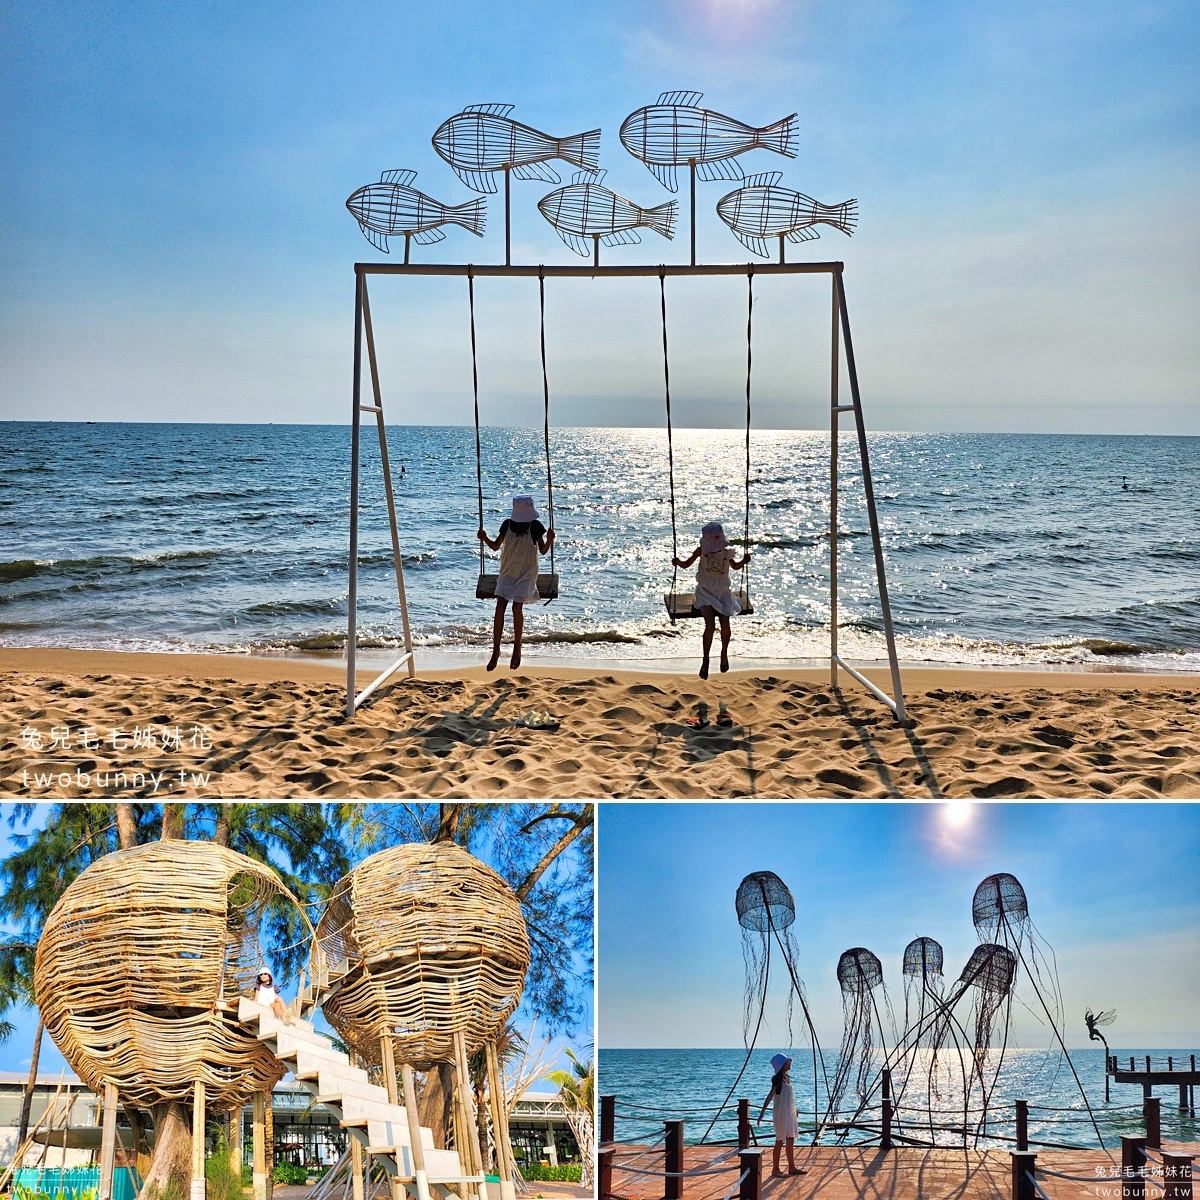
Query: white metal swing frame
840, 331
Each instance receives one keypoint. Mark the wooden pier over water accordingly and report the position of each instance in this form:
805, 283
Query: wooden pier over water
1150, 1071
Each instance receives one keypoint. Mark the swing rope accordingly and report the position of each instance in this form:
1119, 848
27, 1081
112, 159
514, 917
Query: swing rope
749, 348
475, 387
546, 410
662, 291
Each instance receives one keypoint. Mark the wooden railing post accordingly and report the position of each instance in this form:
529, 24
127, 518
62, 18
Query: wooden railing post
1024, 1165
604, 1165
1133, 1166
1022, 1124
674, 1160
608, 1119
743, 1124
750, 1168
1177, 1177
1153, 1118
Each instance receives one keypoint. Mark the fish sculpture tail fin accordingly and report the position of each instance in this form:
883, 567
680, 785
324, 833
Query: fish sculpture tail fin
842, 216
471, 216
662, 218
583, 150
783, 137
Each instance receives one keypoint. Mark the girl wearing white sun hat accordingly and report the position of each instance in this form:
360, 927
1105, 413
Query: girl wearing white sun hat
782, 1102
522, 536
714, 598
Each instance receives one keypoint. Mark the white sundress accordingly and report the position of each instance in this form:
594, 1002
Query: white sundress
517, 581
712, 582
783, 1111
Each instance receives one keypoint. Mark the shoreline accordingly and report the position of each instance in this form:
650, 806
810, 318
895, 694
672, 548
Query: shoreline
171, 664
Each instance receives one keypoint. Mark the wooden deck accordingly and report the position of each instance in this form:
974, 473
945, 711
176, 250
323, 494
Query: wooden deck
866, 1173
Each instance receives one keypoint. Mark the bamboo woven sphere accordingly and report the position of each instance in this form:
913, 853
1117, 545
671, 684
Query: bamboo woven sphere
139, 968
433, 942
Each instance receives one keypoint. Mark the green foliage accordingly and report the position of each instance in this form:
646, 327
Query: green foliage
173, 1190
286, 1172
223, 1175
563, 1173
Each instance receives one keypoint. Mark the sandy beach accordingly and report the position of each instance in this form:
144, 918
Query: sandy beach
93, 723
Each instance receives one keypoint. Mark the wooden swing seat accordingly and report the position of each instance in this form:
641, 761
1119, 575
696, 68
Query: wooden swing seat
681, 605
547, 586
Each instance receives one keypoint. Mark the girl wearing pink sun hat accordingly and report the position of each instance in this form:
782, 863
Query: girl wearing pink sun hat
714, 598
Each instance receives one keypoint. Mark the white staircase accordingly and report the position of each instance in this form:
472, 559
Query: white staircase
382, 1128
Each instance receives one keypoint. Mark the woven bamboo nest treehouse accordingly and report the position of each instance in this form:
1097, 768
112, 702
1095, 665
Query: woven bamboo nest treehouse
139, 968
420, 942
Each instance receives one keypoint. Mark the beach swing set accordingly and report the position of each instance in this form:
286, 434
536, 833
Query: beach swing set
679, 605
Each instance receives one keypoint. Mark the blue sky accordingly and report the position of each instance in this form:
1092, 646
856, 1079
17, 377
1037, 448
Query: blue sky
174, 246
1111, 887
15, 1052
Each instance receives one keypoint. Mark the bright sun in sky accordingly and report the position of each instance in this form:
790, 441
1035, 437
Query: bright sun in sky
958, 814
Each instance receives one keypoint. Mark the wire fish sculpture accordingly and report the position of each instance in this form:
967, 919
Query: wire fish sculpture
585, 210
393, 206
761, 209
676, 131
483, 139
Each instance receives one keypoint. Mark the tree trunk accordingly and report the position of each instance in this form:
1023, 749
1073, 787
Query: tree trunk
221, 833
449, 818
27, 1100
172, 822
126, 826
433, 1109
170, 1173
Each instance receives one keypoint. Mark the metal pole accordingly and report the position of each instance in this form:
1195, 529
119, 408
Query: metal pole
407, 243
782, 255
507, 219
692, 178
880, 572
886, 1109
397, 558
834, 373
352, 597
595, 249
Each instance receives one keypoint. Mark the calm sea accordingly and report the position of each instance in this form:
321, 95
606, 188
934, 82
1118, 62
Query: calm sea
655, 1085
1001, 549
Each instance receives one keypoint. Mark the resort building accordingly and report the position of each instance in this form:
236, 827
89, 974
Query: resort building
306, 1134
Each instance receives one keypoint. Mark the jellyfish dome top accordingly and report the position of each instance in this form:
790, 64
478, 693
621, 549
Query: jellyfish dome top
421, 942
991, 968
859, 970
922, 957
998, 900
764, 902
139, 969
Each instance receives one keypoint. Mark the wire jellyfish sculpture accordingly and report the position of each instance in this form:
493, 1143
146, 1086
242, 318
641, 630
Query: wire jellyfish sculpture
860, 976
924, 993
761, 209
393, 206
991, 972
1000, 912
586, 215
766, 913
483, 140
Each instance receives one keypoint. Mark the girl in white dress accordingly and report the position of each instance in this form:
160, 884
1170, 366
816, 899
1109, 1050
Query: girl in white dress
519, 541
782, 1102
267, 994
714, 598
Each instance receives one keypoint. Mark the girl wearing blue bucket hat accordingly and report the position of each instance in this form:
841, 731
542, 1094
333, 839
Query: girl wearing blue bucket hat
782, 1102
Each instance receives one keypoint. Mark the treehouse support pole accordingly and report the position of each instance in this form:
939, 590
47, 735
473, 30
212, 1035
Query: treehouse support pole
197, 1190
504, 1155
108, 1142
834, 373
467, 1100
358, 1191
260, 1146
420, 1176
